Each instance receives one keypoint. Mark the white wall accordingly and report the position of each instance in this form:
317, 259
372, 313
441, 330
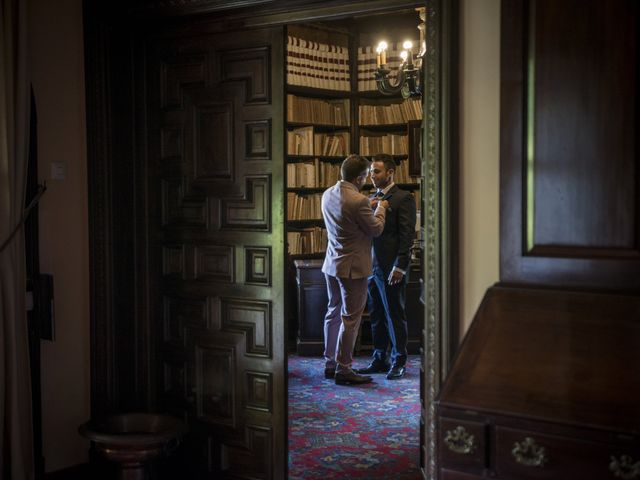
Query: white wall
56, 60
479, 151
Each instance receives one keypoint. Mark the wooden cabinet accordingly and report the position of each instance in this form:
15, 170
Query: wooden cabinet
312, 305
526, 398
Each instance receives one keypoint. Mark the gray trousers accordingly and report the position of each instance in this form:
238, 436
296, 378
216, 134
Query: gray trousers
347, 299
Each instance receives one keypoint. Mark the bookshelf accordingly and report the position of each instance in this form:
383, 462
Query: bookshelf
333, 109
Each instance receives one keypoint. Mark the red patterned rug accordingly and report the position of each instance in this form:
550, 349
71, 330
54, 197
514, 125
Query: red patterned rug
366, 432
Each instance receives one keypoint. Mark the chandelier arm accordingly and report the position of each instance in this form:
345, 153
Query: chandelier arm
408, 81
386, 85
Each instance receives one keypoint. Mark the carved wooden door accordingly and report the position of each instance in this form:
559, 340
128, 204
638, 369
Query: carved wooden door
215, 230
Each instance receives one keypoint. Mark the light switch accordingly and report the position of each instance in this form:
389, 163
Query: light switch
58, 170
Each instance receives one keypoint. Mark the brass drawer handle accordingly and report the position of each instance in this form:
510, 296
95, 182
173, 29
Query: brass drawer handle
529, 453
625, 468
458, 440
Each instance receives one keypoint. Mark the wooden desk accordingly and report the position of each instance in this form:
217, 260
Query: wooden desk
545, 386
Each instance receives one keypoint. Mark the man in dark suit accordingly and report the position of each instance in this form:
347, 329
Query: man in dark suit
351, 223
388, 284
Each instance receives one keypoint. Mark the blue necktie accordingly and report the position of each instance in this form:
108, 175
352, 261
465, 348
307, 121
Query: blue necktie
379, 194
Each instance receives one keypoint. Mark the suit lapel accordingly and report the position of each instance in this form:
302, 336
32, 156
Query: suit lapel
390, 193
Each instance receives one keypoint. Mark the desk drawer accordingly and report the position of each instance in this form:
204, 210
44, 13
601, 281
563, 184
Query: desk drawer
462, 443
526, 455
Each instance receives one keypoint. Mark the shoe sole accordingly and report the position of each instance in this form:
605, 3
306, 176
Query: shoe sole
395, 376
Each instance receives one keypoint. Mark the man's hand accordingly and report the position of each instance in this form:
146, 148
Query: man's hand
384, 203
395, 277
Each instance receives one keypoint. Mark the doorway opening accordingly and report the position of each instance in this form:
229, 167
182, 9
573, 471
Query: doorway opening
333, 108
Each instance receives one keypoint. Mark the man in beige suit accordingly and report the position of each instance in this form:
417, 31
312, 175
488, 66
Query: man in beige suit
351, 224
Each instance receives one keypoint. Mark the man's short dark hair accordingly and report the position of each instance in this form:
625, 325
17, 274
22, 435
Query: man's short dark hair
353, 166
389, 162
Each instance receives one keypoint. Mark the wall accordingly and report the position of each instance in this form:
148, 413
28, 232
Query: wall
479, 151
56, 56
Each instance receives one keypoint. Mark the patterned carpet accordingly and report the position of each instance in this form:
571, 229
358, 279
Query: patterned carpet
366, 432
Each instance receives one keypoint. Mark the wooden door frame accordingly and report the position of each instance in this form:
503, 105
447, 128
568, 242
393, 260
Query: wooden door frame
117, 309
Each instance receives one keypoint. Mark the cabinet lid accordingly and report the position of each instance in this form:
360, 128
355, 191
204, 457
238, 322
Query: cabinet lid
568, 357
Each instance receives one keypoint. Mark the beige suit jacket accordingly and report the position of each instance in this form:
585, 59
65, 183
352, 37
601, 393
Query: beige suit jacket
351, 224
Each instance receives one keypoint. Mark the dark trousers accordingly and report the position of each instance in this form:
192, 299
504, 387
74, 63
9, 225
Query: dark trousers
388, 317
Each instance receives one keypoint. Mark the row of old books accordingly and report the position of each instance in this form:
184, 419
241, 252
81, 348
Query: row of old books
331, 145
303, 141
304, 207
333, 112
393, 144
367, 63
402, 173
394, 113
317, 65
319, 174
314, 174
307, 240
308, 207
300, 141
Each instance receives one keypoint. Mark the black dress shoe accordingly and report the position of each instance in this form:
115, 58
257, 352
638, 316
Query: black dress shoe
396, 372
375, 367
351, 378
329, 372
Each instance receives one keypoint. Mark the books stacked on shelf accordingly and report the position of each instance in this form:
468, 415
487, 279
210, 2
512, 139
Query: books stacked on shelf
329, 174
367, 64
333, 112
331, 145
307, 240
317, 65
366, 68
392, 113
303, 174
300, 141
303, 141
312, 174
402, 173
371, 144
304, 207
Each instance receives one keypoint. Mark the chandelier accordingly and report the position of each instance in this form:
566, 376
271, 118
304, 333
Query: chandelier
408, 77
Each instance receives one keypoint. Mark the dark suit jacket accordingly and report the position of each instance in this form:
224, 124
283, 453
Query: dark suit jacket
392, 248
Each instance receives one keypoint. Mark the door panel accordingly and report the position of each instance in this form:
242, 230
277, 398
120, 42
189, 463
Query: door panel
215, 222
